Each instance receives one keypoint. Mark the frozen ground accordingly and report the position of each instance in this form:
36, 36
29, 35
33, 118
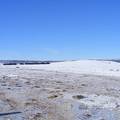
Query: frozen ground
77, 90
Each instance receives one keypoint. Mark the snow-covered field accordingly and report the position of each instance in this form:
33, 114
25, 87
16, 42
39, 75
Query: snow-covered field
70, 90
94, 67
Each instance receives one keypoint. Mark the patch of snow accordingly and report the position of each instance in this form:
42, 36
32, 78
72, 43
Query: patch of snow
101, 101
93, 100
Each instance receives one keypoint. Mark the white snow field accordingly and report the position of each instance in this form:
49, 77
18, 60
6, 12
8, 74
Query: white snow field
79, 90
92, 67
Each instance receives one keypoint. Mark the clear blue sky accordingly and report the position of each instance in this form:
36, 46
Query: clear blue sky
59, 29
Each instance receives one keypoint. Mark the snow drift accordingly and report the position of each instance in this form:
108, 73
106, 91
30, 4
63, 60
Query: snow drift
94, 67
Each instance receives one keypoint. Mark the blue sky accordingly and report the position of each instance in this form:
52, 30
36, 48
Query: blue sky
59, 29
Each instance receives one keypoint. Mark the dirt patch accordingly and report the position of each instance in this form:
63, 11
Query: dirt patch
78, 97
52, 96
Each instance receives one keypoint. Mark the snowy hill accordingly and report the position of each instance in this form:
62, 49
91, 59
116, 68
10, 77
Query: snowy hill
95, 67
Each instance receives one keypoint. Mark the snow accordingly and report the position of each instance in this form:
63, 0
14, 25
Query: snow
94, 100
94, 67
19, 85
101, 101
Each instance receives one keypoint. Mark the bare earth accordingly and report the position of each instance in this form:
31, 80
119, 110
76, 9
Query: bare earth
51, 95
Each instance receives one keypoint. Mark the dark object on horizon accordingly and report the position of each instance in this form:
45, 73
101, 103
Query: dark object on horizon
10, 113
21, 63
26, 62
9, 63
34, 63
116, 61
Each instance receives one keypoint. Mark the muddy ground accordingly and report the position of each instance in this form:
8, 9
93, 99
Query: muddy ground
46, 95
